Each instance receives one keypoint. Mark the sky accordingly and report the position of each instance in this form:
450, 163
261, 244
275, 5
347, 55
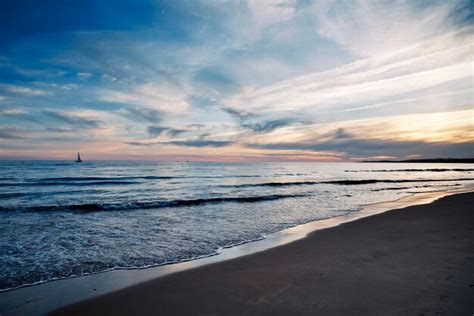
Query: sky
256, 80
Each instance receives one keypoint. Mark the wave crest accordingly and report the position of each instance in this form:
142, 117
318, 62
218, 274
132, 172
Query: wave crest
93, 207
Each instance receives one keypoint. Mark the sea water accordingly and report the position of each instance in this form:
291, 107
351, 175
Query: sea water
60, 219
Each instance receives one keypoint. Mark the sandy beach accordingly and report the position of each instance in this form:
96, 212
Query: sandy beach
413, 261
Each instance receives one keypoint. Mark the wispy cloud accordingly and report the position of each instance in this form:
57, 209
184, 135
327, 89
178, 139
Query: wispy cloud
74, 120
25, 90
255, 124
353, 148
84, 75
18, 114
359, 26
162, 98
155, 131
268, 126
185, 143
422, 134
139, 144
367, 80
9, 133
11, 111
200, 143
146, 115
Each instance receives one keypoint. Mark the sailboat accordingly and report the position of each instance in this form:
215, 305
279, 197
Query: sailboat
78, 158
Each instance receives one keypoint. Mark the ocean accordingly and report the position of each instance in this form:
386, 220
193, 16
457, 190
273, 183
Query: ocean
60, 219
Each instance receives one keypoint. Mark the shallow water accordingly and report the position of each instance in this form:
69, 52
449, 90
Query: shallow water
60, 219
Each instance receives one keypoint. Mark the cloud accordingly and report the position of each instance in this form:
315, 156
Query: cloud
185, 143
202, 101
163, 97
270, 12
338, 134
248, 121
26, 91
358, 82
200, 143
73, 119
435, 134
60, 130
358, 26
353, 148
447, 127
146, 115
268, 126
414, 52
9, 133
175, 131
84, 75
155, 131
18, 114
216, 80
139, 144
11, 111
196, 125
239, 115
204, 135
70, 86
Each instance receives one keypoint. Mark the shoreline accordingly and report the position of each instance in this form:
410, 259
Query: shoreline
46, 297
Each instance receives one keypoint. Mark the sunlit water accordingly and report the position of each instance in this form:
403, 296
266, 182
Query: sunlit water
60, 219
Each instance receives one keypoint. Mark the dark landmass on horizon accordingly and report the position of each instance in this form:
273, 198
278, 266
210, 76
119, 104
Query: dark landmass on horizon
433, 160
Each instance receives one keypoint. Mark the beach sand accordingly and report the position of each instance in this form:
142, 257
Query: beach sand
414, 261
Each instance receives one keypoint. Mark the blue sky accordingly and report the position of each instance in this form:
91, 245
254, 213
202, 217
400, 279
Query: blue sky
236, 80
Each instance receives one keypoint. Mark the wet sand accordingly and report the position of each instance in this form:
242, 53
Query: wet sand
414, 261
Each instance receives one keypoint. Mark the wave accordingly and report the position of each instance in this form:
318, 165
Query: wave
11, 195
80, 179
272, 184
340, 182
372, 181
94, 207
97, 181
414, 187
32, 194
223, 176
414, 170
64, 183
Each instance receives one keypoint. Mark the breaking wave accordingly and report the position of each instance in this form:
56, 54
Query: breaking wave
342, 182
95, 207
415, 170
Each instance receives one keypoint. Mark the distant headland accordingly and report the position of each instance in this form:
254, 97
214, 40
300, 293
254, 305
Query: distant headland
432, 160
